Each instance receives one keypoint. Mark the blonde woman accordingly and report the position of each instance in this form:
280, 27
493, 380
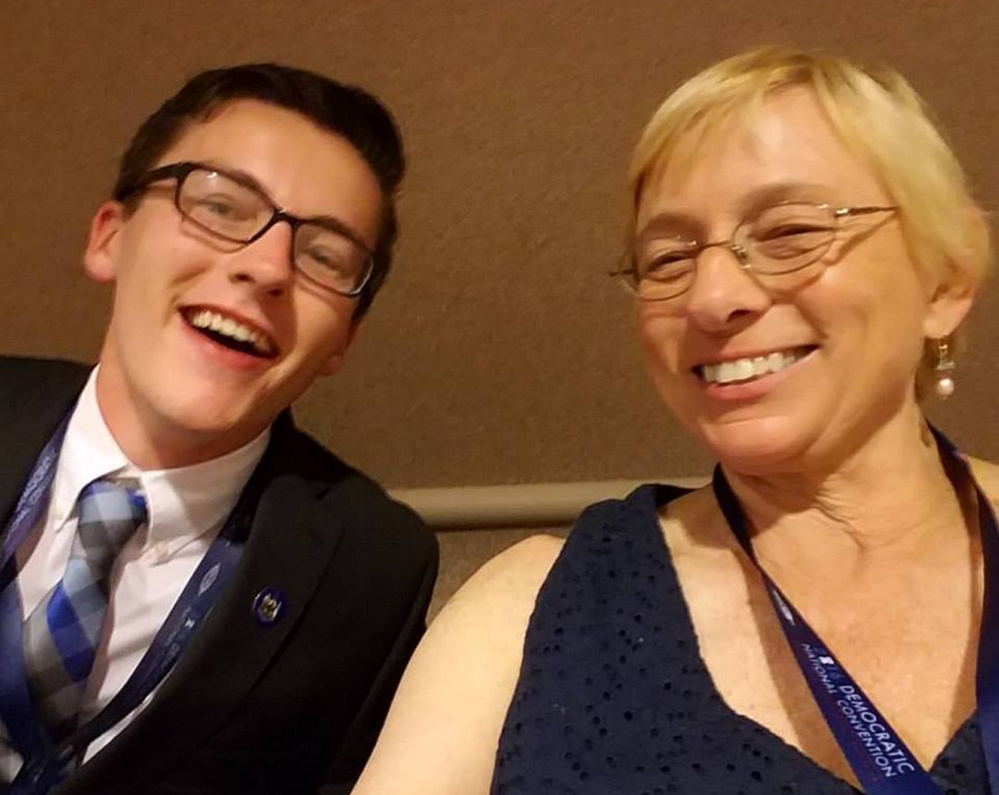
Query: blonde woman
803, 250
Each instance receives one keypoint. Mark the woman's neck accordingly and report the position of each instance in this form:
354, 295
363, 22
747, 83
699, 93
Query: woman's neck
889, 497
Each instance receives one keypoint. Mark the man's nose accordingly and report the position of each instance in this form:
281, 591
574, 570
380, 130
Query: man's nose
267, 262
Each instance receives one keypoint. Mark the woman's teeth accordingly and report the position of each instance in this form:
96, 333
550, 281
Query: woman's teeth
750, 368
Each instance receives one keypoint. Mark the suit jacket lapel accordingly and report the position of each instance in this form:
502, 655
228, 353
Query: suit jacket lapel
232, 648
31, 413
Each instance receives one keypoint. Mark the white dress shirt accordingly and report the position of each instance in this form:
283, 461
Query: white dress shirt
187, 509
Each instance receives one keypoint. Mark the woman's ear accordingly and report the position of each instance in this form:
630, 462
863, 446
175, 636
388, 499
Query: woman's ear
949, 305
99, 256
954, 291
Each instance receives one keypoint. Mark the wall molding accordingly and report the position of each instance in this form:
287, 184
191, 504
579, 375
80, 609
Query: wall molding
517, 506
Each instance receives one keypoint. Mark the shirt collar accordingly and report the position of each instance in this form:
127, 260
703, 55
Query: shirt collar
184, 502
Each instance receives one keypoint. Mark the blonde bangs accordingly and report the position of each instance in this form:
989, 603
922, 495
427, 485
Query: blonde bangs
881, 119
877, 115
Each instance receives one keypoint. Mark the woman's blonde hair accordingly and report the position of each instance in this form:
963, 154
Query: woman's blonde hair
877, 115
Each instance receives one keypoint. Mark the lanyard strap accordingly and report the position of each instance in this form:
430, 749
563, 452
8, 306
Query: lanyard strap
879, 758
44, 765
32, 501
16, 707
40, 772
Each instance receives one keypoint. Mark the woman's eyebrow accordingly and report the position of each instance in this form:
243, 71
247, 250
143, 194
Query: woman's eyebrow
673, 222
785, 191
670, 223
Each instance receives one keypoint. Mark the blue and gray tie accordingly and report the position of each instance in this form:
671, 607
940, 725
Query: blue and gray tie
61, 634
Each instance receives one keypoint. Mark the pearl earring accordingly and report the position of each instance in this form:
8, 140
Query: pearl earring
943, 384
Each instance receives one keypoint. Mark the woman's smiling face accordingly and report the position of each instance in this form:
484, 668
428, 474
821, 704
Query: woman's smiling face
773, 372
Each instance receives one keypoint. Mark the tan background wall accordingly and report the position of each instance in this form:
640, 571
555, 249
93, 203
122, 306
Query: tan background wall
499, 352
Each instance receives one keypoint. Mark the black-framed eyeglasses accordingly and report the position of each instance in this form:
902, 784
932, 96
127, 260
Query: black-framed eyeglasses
225, 206
783, 239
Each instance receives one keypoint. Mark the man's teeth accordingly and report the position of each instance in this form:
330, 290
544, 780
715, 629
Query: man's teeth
227, 327
748, 369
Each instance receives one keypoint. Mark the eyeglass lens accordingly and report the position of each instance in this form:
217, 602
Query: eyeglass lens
779, 239
237, 212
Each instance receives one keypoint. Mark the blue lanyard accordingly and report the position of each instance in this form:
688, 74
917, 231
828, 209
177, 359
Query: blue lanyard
32, 501
16, 708
880, 760
45, 765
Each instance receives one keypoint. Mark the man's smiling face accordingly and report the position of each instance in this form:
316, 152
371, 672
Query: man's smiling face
209, 341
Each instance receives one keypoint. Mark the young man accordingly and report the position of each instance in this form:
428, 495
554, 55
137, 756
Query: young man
251, 225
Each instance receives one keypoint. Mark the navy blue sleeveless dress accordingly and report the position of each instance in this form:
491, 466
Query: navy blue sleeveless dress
613, 698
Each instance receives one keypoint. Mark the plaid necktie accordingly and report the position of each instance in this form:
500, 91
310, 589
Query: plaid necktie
62, 633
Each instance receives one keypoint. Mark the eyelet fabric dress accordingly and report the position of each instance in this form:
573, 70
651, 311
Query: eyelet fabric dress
614, 699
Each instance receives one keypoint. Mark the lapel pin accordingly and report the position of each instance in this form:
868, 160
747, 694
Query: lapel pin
268, 605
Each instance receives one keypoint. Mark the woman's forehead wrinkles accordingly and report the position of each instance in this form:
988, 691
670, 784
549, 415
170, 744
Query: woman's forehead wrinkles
676, 221
784, 151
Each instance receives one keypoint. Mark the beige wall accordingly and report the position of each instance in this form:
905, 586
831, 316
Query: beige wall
499, 352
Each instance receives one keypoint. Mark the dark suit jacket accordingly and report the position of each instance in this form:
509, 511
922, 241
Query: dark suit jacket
288, 708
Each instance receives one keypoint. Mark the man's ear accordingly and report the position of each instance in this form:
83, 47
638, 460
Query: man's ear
335, 360
99, 260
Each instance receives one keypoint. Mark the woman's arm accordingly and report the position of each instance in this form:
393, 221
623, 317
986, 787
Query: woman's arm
441, 734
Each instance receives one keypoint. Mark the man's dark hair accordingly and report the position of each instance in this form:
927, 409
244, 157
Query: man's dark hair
347, 111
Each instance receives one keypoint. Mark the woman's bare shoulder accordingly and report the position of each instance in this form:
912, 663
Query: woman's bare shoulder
514, 575
442, 730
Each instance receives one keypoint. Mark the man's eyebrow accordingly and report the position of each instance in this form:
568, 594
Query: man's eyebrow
328, 221
336, 225
242, 177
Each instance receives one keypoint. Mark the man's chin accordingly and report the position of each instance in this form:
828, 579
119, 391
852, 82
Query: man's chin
190, 431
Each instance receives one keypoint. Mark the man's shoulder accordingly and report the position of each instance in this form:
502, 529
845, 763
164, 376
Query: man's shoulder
362, 502
21, 372
35, 394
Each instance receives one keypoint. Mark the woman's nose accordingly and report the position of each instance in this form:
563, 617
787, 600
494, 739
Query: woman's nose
724, 289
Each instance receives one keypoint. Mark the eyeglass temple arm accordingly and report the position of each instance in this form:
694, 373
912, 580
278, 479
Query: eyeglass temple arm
844, 212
